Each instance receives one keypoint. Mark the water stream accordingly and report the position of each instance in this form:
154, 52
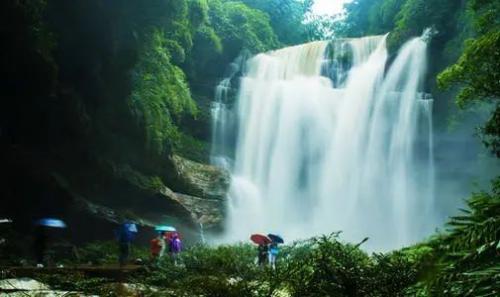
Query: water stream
330, 136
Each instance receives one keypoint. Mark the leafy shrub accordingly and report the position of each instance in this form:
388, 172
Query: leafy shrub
462, 262
320, 266
231, 261
106, 252
161, 96
469, 263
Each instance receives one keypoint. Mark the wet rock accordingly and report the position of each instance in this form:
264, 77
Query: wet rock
48, 293
22, 284
29, 287
201, 180
146, 200
208, 212
135, 289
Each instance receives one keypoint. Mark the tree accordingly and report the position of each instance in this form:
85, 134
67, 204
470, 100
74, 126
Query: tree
476, 71
286, 17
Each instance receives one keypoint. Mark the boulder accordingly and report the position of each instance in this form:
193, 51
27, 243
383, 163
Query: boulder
25, 286
201, 180
208, 212
22, 284
133, 289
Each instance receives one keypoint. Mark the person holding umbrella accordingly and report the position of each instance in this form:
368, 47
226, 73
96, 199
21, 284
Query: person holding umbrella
125, 234
274, 249
42, 237
160, 243
262, 249
158, 247
4, 240
175, 247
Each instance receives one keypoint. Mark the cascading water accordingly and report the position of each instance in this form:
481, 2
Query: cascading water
329, 139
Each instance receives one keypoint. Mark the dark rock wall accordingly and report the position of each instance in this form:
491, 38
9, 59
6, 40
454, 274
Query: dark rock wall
70, 144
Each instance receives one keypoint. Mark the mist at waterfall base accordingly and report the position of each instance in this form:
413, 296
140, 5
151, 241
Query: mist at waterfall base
327, 136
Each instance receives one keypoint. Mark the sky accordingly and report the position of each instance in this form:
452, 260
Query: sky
329, 7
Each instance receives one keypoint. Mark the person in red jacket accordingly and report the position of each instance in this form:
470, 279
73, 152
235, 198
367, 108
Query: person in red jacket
158, 247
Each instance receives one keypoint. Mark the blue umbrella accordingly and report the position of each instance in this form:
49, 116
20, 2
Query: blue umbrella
165, 228
51, 222
276, 238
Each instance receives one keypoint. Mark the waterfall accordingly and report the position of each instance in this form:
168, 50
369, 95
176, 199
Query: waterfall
329, 136
202, 234
221, 120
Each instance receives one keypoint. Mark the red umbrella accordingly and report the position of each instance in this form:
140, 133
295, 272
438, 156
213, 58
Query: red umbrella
260, 239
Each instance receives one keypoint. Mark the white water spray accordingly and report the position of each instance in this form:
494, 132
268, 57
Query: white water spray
329, 139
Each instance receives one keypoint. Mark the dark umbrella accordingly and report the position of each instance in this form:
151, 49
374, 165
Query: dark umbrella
276, 238
260, 239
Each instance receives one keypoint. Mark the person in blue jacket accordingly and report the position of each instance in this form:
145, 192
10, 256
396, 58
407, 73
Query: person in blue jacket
125, 235
273, 254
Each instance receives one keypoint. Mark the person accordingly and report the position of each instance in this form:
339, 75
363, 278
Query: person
175, 247
273, 254
158, 247
40, 245
262, 256
125, 236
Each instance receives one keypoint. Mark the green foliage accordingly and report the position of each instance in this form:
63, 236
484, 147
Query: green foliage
462, 262
317, 267
232, 28
454, 23
385, 14
106, 252
326, 267
320, 266
402, 18
198, 12
160, 95
416, 15
241, 27
151, 184
73, 281
357, 22
208, 271
469, 263
476, 71
231, 261
397, 272
191, 148
286, 17
99, 253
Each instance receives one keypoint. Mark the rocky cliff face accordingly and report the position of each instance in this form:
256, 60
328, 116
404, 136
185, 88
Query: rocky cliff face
201, 180
88, 133
94, 212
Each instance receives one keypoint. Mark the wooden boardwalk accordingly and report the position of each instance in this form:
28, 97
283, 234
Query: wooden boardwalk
106, 271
